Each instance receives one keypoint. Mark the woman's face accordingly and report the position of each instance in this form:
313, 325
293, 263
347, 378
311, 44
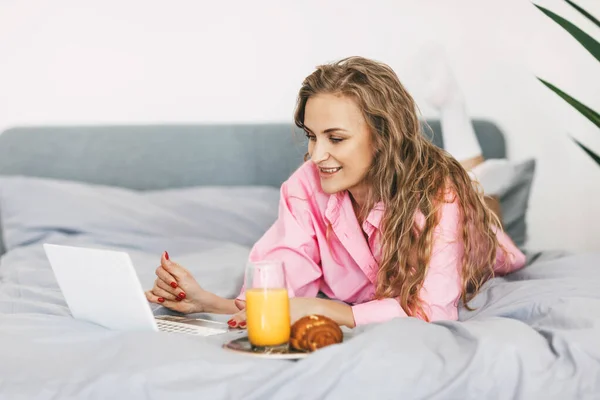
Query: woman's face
339, 143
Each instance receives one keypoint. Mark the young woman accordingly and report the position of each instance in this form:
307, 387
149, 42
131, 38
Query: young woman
378, 219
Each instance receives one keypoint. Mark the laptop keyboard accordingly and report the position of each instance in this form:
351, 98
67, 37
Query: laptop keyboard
176, 327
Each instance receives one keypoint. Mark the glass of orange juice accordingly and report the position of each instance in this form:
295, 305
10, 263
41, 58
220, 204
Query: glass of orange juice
267, 306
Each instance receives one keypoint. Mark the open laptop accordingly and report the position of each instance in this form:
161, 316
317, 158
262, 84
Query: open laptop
101, 286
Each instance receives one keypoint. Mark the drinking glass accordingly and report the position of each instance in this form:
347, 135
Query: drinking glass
267, 306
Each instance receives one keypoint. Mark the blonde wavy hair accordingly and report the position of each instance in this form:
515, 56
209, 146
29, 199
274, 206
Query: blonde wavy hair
409, 174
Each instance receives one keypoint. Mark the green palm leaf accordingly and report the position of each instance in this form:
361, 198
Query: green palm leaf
585, 13
589, 152
586, 40
582, 108
592, 46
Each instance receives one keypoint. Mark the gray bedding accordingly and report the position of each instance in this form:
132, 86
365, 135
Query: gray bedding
533, 334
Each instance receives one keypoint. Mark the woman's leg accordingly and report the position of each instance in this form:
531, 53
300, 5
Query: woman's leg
460, 140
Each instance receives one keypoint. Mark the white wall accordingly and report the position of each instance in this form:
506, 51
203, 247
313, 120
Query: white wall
68, 62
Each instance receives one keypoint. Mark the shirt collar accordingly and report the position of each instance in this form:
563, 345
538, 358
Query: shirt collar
338, 200
376, 215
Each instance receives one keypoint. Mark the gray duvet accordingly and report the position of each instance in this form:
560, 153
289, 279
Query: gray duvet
533, 335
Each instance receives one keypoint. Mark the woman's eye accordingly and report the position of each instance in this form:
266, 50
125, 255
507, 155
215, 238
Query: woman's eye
335, 140
310, 136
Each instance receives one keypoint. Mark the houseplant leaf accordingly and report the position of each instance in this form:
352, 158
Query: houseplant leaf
585, 13
588, 42
589, 152
582, 108
593, 47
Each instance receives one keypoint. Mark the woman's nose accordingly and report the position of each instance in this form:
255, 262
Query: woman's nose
319, 153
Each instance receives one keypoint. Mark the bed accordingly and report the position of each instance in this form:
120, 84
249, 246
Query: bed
205, 193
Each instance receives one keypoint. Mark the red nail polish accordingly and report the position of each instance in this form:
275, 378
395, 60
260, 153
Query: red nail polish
161, 300
231, 323
166, 255
173, 285
182, 295
243, 324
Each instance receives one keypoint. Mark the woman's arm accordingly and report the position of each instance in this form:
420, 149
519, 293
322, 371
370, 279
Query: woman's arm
339, 312
441, 288
220, 305
442, 285
292, 240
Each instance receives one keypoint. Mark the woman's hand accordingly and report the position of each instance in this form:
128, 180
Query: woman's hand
176, 289
238, 320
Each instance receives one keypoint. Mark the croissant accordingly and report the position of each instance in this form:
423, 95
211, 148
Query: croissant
314, 332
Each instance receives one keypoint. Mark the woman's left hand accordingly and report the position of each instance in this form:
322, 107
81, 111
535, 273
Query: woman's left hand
299, 307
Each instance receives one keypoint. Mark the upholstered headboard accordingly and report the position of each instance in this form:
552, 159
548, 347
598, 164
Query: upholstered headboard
153, 157
169, 156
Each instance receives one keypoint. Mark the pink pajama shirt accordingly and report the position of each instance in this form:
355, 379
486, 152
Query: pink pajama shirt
343, 265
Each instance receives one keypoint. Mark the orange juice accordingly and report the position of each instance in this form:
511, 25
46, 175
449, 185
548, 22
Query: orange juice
268, 316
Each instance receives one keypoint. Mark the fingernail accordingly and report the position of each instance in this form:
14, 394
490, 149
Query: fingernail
231, 323
161, 300
173, 285
166, 255
243, 324
182, 295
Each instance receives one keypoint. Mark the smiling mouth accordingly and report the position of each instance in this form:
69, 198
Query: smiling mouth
329, 171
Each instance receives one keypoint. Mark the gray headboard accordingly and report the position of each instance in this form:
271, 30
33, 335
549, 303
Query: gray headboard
170, 156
